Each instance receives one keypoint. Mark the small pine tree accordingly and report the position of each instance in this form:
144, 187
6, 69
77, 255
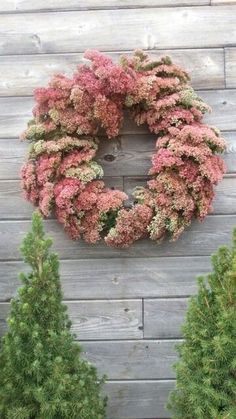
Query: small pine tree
42, 373
206, 370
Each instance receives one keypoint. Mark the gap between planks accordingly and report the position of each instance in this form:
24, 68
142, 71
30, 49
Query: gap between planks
100, 5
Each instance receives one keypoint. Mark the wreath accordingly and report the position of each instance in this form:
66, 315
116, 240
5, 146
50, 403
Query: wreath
62, 173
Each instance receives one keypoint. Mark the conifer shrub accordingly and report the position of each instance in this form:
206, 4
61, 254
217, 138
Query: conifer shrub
43, 375
206, 370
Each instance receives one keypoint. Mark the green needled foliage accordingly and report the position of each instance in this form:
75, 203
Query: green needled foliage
206, 371
43, 375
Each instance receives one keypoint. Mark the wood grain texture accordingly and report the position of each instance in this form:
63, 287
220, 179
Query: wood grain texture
14, 115
223, 104
230, 67
13, 153
164, 317
201, 239
148, 28
120, 319
206, 67
51, 5
231, 149
220, 2
113, 319
139, 359
16, 111
138, 399
118, 277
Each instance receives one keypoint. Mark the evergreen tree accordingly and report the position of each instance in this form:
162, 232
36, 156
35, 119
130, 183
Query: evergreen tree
206, 370
42, 373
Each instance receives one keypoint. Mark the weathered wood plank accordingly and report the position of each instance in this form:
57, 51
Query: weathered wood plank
225, 198
14, 115
14, 206
16, 111
117, 277
47, 5
138, 399
164, 317
206, 67
201, 239
229, 156
220, 2
12, 201
13, 153
230, 67
223, 103
140, 359
74, 31
103, 319
120, 319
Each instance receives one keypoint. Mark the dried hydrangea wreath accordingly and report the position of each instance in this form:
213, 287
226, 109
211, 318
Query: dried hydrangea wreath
61, 171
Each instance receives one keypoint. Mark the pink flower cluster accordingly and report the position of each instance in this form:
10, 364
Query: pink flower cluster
82, 203
84, 208
185, 170
61, 173
131, 225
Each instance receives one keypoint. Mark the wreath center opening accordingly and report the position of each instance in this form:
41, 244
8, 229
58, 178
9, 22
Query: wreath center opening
126, 159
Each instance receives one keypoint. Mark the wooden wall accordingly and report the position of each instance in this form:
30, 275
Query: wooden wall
126, 305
